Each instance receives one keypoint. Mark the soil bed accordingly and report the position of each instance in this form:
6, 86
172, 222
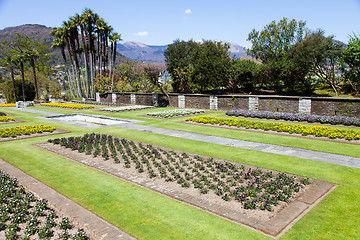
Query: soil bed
16, 121
57, 131
272, 223
80, 218
356, 142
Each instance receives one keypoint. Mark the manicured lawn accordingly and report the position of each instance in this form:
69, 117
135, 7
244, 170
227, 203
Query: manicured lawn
148, 215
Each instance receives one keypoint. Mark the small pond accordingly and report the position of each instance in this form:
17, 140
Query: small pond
88, 121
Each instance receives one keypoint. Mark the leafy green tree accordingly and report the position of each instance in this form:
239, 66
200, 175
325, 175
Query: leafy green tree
212, 65
271, 46
196, 66
350, 60
180, 56
28, 86
246, 74
318, 56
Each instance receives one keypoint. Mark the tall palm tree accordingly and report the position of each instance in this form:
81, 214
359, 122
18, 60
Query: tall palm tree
114, 38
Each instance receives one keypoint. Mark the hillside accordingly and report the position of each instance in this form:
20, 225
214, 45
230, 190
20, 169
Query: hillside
148, 53
40, 33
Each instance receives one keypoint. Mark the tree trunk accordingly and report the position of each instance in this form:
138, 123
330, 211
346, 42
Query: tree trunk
35, 80
22, 80
13, 81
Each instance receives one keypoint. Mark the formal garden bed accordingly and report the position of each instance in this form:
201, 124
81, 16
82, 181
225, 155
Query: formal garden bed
67, 105
175, 113
5, 119
248, 195
24, 216
29, 131
299, 117
125, 108
318, 132
8, 105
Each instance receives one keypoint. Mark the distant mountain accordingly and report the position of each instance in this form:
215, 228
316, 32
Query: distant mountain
40, 33
148, 53
138, 51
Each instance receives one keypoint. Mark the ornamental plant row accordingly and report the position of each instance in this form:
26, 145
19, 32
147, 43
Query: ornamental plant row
23, 216
175, 113
25, 130
300, 117
253, 188
67, 105
317, 131
8, 105
6, 119
125, 108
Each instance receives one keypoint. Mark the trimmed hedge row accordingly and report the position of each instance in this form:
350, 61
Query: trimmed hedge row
66, 105
300, 117
318, 131
25, 130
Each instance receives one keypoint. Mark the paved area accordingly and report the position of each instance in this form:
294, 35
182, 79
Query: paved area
262, 147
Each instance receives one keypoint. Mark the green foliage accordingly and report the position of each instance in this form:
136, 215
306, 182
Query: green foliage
318, 56
276, 39
197, 66
29, 90
102, 83
272, 46
246, 74
350, 60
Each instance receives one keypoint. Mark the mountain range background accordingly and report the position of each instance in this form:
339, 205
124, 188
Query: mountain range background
127, 49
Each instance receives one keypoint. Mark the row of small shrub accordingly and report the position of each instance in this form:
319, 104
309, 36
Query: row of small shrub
318, 131
8, 105
175, 113
6, 119
300, 117
25, 130
125, 108
23, 216
67, 105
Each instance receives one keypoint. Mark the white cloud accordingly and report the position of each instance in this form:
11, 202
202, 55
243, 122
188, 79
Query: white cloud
142, 34
188, 11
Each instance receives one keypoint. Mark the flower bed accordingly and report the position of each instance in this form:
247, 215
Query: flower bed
252, 188
317, 131
8, 105
6, 119
300, 117
23, 216
25, 130
175, 113
66, 105
125, 108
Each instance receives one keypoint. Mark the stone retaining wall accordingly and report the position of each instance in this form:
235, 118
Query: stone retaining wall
311, 105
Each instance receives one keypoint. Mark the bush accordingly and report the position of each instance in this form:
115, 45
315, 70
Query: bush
29, 90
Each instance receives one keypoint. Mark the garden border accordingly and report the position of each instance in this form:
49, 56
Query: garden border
56, 131
95, 226
275, 227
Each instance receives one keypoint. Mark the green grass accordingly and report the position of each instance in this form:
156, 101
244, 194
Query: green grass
148, 215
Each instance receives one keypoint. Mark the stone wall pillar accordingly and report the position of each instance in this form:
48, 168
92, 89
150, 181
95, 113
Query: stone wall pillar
133, 98
253, 103
305, 105
213, 103
181, 101
97, 97
113, 98
155, 99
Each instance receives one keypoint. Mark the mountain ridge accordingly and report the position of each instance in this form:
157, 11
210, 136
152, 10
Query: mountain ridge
155, 53
133, 50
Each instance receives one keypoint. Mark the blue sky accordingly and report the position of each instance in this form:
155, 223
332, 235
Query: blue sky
160, 22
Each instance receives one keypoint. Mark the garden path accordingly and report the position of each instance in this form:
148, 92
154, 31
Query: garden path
262, 147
